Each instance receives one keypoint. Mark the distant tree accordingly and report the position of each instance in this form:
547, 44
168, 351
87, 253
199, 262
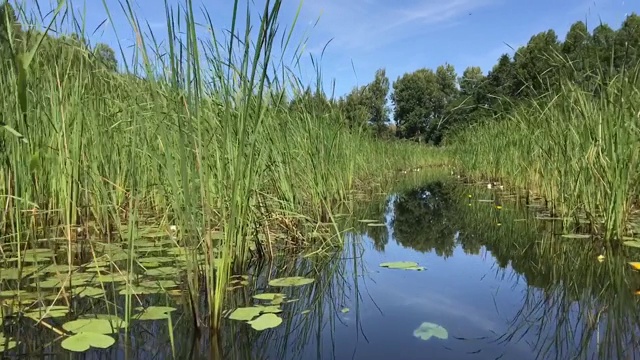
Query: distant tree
107, 56
627, 42
576, 49
421, 99
536, 64
376, 96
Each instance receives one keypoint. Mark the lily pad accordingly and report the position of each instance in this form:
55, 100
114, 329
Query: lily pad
403, 265
291, 281
47, 312
266, 321
427, 330
89, 291
85, 340
6, 344
245, 313
345, 310
162, 271
576, 236
268, 296
96, 326
154, 313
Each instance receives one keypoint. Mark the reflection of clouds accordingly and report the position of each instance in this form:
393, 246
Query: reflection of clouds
447, 306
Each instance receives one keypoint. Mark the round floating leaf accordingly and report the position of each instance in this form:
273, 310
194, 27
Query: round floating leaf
162, 271
84, 341
245, 313
345, 310
268, 296
576, 236
427, 330
12, 274
89, 291
97, 326
154, 313
47, 312
58, 268
291, 281
403, 265
270, 309
266, 321
10, 344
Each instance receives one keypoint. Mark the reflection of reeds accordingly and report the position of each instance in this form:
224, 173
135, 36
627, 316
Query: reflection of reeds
574, 306
197, 135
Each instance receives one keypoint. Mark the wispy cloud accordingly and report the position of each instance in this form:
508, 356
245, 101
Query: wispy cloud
371, 24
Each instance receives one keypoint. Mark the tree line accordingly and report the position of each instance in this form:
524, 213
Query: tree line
427, 104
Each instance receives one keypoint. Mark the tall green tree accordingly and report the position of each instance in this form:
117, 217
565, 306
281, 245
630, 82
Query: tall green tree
536, 64
376, 95
420, 102
106, 56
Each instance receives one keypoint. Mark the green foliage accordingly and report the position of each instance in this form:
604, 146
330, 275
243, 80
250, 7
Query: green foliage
198, 140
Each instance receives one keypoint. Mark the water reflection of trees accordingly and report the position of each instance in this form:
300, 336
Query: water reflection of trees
575, 305
423, 219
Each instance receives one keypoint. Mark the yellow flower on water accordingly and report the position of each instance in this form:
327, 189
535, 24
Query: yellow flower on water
600, 258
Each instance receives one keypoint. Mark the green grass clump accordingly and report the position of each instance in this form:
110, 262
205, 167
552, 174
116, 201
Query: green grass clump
203, 139
577, 148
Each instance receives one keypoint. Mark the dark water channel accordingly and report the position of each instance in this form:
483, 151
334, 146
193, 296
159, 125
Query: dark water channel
499, 283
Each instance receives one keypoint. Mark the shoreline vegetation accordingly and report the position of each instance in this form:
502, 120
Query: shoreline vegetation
559, 120
206, 147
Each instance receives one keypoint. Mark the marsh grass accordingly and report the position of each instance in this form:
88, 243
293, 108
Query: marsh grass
574, 305
575, 148
196, 141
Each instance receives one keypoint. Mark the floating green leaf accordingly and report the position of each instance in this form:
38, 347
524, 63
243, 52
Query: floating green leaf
47, 312
245, 313
12, 274
96, 326
154, 313
6, 344
268, 296
89, 291
403, 265
266, 321
162, 271
576, 236
291, 281
427, 330
84, 341
345, 310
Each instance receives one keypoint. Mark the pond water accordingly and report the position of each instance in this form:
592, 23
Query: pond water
498, 283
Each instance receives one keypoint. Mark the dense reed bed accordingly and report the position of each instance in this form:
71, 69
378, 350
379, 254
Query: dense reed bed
577, 148
202, 140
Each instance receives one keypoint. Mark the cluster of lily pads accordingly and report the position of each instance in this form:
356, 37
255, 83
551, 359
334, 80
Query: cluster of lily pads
157, 259
263, 316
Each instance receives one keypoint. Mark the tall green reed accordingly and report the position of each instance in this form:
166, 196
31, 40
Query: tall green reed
572, 146
195, 134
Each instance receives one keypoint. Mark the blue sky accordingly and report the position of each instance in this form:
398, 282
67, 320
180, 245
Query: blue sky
400, 36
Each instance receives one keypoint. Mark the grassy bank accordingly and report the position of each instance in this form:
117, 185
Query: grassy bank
576, 148
203, 147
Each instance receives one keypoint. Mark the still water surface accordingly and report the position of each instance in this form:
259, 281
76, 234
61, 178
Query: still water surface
501, 283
